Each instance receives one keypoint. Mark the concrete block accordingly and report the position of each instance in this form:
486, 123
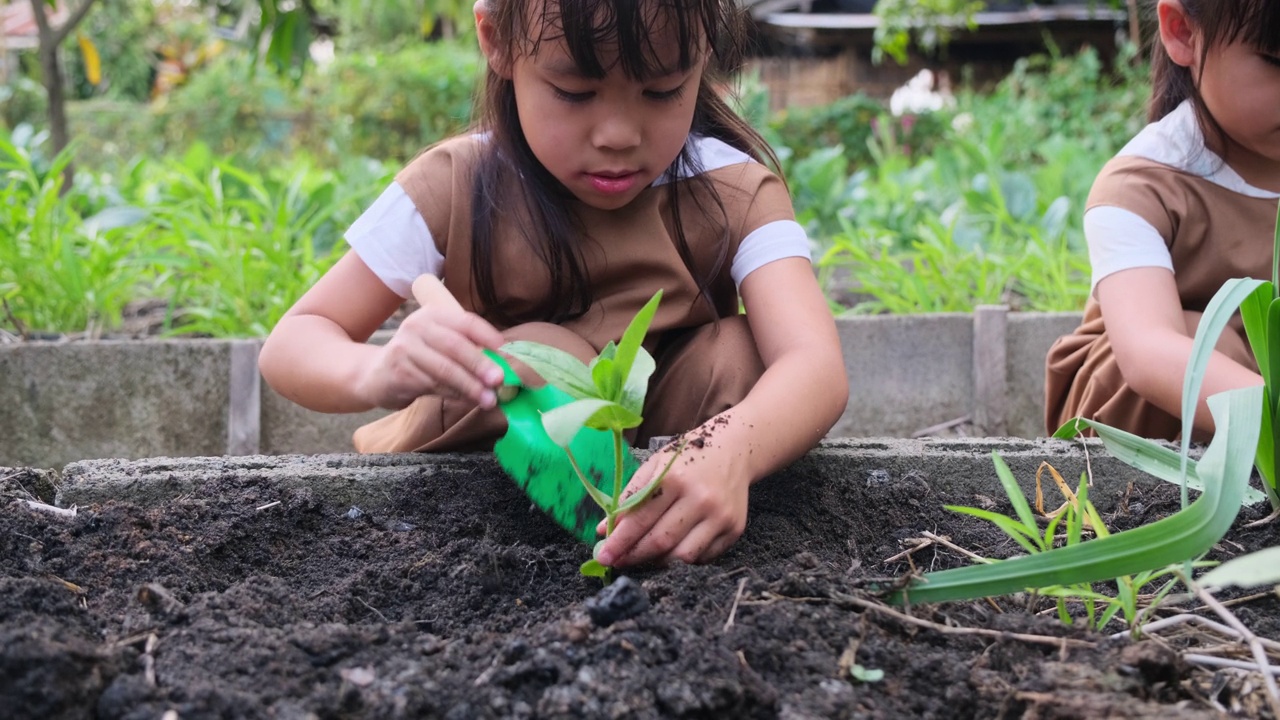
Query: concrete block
1030, 335
906, 372
71, 401
290, 428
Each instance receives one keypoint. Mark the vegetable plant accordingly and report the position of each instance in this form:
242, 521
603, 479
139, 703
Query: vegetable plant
1245, 421
608, 394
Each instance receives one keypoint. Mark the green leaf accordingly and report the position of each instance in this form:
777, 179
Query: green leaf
564, 422
1216, 315
637, 385
1014, 491
643, 493
866, 675
605, 377
1225, 466
633, 338
1141, 453
593, 568
555, 366
1011, 527
1256, 568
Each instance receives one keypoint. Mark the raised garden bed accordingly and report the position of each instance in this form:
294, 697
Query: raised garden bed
251, 588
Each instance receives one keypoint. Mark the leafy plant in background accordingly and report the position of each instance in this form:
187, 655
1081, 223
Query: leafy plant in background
233, 250
66, 264
608, 395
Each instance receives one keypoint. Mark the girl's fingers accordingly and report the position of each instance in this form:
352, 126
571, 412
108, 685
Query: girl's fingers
696, 546
635, 526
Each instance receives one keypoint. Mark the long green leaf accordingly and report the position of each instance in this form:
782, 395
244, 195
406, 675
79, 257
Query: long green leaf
1020, 534
564, 422
1256, 568
1225, 468
1155, 460
1216, 315
1014, 491
555, 366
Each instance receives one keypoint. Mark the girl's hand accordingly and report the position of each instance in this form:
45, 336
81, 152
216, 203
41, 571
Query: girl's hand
697, 513
437, 350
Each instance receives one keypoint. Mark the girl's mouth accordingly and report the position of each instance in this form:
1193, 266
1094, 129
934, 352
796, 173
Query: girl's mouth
612, 183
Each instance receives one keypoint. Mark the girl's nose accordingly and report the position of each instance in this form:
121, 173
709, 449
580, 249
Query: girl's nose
617, 130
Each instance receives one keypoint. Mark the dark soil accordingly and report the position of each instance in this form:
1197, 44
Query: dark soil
464, 604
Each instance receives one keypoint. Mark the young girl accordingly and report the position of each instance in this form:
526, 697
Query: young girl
1188, 204
605, 166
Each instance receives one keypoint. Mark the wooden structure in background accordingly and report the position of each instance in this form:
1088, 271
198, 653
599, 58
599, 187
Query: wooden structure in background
813, 58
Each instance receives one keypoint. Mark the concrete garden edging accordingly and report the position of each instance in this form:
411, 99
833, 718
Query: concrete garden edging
65, 402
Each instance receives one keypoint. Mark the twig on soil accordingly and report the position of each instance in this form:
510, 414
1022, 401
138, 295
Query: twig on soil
842, 598
916, 547
1188, 618
1246, 636
271, 504
14, 477
1217, 662
375, 610
66, 513
1266, 520
1237, 601
945, 425
733, 611
946, 542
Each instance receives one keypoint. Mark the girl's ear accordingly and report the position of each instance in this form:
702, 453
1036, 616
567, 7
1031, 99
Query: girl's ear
489, 44
1177, 34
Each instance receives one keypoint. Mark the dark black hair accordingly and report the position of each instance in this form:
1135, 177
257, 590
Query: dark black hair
631, 29
1217, 22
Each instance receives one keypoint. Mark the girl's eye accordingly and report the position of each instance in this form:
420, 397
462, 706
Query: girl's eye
1270, 59
667, 95
572, 97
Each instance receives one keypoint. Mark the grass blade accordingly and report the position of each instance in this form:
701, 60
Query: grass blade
1225, 467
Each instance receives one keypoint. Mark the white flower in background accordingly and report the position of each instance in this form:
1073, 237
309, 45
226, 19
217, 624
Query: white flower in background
322, 52
962, 122
918, 96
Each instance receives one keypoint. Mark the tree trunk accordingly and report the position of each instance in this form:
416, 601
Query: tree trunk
51, 69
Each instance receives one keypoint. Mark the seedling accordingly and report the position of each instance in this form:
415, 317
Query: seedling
608, 394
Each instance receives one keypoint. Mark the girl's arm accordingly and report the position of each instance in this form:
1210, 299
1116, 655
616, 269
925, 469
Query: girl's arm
317, 355
702, 508
1151, 337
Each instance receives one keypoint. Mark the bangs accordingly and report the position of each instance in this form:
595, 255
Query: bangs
646, 38
1252, 22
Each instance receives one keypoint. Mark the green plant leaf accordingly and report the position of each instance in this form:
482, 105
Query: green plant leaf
593, 568
1011, 527
1216, 315
866, 675
1257, 568
1225, 466
555, 366
1154, 459
637, 385
643, 493
1015, 494
633, 338
605, 377
564, 422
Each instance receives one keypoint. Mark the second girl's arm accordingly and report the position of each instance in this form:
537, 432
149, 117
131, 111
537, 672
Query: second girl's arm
317, 355
1151, 340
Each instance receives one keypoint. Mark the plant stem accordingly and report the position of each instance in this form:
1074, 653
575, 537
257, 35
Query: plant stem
611, 513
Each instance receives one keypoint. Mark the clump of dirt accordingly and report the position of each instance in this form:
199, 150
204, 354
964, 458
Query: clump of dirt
463, 604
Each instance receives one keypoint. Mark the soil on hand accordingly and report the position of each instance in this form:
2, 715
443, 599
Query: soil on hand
241, 600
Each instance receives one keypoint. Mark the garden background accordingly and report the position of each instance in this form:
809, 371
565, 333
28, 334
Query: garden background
213, 181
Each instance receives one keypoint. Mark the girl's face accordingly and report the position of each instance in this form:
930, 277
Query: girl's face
1241, 88
605, 139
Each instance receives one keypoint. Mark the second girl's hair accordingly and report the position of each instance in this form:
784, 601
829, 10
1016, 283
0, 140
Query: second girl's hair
631, 28
1217, 22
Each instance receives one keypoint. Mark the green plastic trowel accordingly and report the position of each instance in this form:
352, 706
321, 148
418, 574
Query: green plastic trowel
542, 469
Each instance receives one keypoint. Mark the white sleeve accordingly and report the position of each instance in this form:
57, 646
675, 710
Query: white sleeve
771, 241
1120, 239
393, 240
